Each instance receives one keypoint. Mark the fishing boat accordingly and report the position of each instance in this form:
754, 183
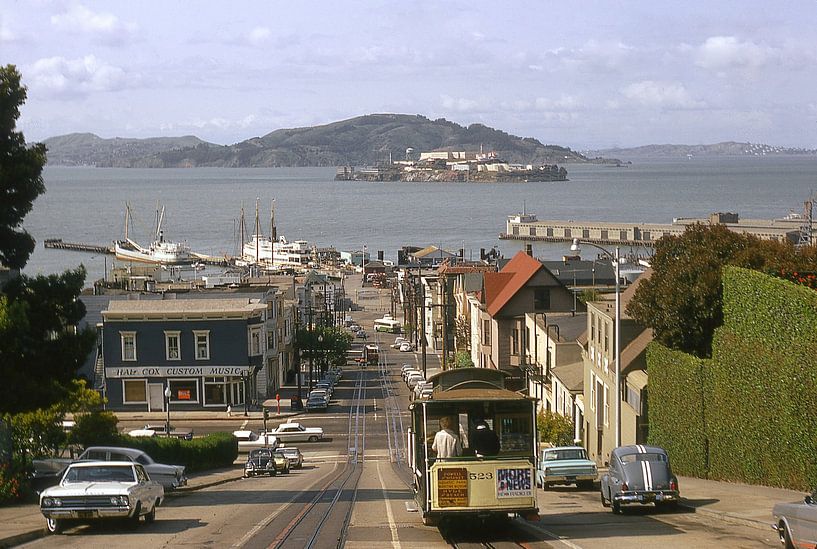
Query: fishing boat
159, 251
276, 252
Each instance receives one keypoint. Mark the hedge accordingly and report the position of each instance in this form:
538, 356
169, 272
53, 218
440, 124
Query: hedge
747, 414
213, 451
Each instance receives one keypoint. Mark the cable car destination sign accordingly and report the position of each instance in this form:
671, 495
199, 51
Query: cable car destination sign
176, 371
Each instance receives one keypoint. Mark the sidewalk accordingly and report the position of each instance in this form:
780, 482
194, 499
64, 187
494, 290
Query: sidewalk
736, 503
24, 523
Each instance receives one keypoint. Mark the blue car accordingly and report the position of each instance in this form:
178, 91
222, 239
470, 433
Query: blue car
566, 465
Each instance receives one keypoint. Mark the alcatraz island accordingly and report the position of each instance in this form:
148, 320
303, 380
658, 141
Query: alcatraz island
453, 166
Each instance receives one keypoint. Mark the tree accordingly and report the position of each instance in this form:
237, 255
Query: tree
40, 347
462, 359
682, 300
20, 173
554, 428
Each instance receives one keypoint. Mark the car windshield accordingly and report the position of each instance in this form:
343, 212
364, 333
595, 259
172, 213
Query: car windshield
649, 456
576, 453
262, 453
115, 473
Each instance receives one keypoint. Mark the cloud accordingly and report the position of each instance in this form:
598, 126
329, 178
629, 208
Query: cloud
460, 104
602, 55
650, 93
63, 77
6, 35
258, 36
104, 26
727, 52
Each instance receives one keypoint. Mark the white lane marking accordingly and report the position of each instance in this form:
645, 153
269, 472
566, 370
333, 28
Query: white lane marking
272, 516
556, 537
395, 542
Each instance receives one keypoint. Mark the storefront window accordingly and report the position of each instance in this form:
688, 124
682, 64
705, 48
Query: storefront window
184, 390
215, 391
134, 391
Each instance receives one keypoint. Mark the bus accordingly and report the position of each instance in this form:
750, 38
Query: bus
470, 484
387, 324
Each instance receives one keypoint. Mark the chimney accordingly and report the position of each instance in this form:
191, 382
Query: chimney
380, 255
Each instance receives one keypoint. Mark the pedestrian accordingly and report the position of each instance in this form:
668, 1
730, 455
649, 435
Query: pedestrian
229, 411
446, 442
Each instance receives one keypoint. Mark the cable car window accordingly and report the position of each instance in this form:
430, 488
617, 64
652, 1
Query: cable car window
514, 434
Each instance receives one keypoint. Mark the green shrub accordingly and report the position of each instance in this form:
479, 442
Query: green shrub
213, 451
96, 428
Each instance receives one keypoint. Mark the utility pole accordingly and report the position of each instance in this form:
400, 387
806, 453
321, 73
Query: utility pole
423, 321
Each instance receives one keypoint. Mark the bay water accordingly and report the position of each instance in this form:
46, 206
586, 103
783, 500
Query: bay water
202, 205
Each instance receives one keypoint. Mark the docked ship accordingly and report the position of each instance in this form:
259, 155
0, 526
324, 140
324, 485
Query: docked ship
159, 251
275, 252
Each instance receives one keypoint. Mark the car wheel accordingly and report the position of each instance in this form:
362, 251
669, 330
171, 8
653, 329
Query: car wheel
150, 517
786, 537
313, 438
133, 521
54, 526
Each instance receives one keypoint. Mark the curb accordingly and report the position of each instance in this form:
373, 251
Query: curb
25, 537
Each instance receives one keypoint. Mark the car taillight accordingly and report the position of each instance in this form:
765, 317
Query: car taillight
624, 487
673, 485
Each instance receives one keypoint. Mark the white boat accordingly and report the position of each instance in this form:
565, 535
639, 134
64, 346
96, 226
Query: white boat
159, 251
274, 253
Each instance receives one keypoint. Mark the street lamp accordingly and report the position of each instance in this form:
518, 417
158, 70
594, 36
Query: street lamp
168, 392
616, 259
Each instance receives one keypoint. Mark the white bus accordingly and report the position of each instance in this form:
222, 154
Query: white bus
387, 324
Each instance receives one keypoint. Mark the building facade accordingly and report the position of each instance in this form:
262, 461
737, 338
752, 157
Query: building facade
207, 352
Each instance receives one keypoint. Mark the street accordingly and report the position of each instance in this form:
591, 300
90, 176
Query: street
353, 492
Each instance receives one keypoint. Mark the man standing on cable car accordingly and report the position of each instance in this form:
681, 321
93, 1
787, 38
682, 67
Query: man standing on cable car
446, 443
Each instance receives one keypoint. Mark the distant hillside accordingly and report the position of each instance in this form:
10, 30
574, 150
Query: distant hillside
87, 149
728, 148
365, 140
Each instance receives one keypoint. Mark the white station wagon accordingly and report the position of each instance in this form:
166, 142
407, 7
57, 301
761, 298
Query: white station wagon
97, 490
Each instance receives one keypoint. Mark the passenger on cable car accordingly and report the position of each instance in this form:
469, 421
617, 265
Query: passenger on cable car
446, 442
484, 441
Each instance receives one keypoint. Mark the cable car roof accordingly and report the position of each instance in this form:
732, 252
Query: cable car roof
472, 393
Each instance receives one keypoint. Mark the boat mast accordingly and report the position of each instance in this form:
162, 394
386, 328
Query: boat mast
242, 229
159, 217
127, 219
257, 233
273, 234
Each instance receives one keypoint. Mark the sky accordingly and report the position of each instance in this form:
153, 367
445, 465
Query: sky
582, 74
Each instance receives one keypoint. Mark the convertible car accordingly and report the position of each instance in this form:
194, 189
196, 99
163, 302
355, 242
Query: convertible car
97, 490
639, 474
796, 523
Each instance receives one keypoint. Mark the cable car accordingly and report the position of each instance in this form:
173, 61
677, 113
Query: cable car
474, 481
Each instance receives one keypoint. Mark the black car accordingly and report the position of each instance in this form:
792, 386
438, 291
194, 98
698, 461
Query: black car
260, 461
317, 404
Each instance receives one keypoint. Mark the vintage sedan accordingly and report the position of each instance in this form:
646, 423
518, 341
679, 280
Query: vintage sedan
295, 432
294, 455
796, 523
566, 465
97, 490
169, 476
639, 474
260, 462
249, 440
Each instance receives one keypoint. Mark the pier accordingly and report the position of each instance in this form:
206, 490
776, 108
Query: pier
525, 226
58, 244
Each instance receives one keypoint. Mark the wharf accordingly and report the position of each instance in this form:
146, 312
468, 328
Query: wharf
527, 227
58, 244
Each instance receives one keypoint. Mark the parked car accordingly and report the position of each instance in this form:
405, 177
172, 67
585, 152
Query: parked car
566, 465
796, 523
639, 474
355, 327
159, 429
421, 386
169, 476
326, 386
323, 393
399, 340
361, 334
295, 432
249, 440
413, 379
406, 347
99, 490
317, 403
265, 461
426, 393
410, 372
405, 368
294, 455
281, 462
